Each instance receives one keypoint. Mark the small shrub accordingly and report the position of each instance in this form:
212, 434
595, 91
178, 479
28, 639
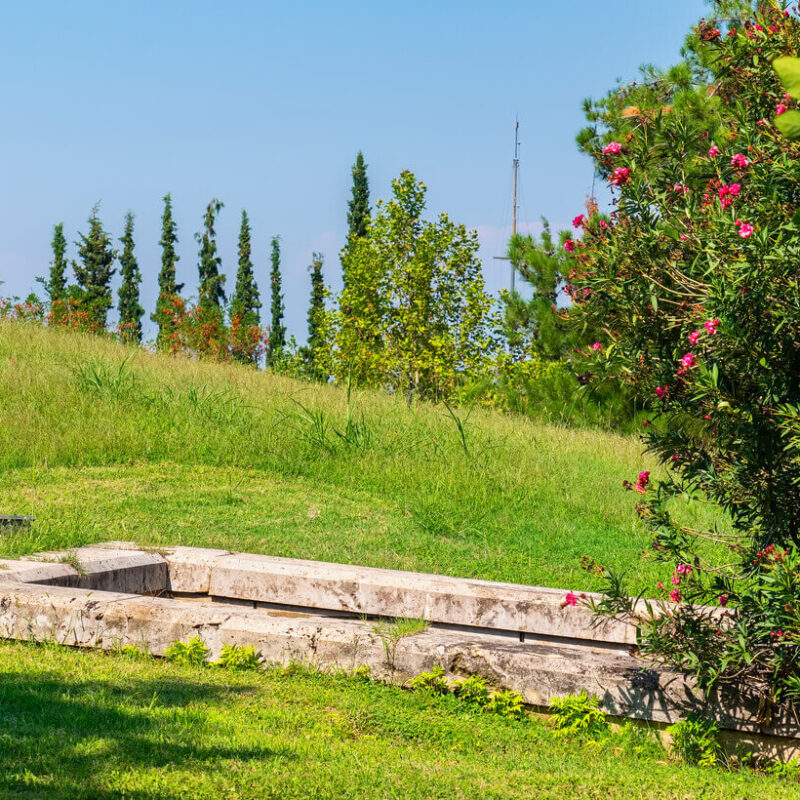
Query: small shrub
508, 704
472, 691
192, 653
239, 657
696, 741
433, 681
579, 716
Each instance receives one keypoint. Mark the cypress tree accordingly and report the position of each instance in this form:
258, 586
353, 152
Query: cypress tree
94, 272
56, 286
358, 212
358, 207
212, 294
130, 310
246, 300
167, 286
316, 311
277, 331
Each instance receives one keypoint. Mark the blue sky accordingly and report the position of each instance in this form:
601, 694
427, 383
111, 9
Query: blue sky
264, 105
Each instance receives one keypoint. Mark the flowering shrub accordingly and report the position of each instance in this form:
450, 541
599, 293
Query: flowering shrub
696, 292
29, 310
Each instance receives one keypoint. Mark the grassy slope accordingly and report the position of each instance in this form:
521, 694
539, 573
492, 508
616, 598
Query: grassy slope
99, 441
85, 725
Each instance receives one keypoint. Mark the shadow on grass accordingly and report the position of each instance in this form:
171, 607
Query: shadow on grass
59, 738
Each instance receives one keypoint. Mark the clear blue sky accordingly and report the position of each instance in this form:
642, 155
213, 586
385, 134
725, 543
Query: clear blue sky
264, 105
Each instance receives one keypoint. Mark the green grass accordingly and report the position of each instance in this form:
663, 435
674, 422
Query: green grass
100, 441
87, 725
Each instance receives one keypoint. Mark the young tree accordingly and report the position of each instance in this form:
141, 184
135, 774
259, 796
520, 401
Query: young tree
246, 301
130, 310
311, 353
168, 288
94, 272
212, 281
277, 331
358, 212
414, 314
56, 285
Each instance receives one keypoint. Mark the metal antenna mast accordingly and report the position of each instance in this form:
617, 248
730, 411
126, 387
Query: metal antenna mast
514, 217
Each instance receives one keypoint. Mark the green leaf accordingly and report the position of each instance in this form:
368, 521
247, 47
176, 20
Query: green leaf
654, 302
789, 124
788, 69
796, 218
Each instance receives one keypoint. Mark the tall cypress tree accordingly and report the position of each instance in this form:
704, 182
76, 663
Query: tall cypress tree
168, 288
358, 212
130, 310
316, 312
246, 300
212, 281
56, 285
94, 272
277, 331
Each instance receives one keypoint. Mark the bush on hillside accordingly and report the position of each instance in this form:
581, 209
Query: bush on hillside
693, 279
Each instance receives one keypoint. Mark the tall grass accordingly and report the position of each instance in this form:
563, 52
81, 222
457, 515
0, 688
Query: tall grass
481, 486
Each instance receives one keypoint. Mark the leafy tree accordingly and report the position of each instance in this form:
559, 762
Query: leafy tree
277, 330
414, 314
358, 211
56, 285
168, 288
312, 352
94, 273
246, 300
130, 310
693, 280
212, 281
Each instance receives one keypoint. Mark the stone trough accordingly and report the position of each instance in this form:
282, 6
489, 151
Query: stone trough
517, 637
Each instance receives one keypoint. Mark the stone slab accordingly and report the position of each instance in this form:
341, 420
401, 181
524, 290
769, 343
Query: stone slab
25, 571
391, 593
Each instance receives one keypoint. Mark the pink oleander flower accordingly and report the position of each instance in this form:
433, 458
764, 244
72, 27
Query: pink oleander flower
713, 151
597, 346
578, 221
781, 108
711, 326
726, 202
676, 457
644, 477
746, 230
694, 337
571, 599
679, 187
675, 596
659, 585
676, 580
740, 161
723, 600
661, 391
569, 246
620, 176
688, 361
603, 224
683, 569
612, 149
734, 188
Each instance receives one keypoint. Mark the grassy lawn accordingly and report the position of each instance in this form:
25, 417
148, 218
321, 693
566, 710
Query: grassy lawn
87, 725
100, 441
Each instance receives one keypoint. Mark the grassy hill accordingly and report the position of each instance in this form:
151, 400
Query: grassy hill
101, 441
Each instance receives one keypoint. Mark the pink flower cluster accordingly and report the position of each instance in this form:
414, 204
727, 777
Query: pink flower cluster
641, 483
688, 361
739, 161
597, 346
694, 337
713, 151
612, 149
578, 221
661, 391
620, 176
569, 246
781, 108
680, 187
746, 230
727, 193
711, 326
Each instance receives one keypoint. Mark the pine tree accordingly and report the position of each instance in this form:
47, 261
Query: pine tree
246, 300
56, 286
316, 315
358, 212
94, 272
277, 331
168, 289
212, 281
130, 310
